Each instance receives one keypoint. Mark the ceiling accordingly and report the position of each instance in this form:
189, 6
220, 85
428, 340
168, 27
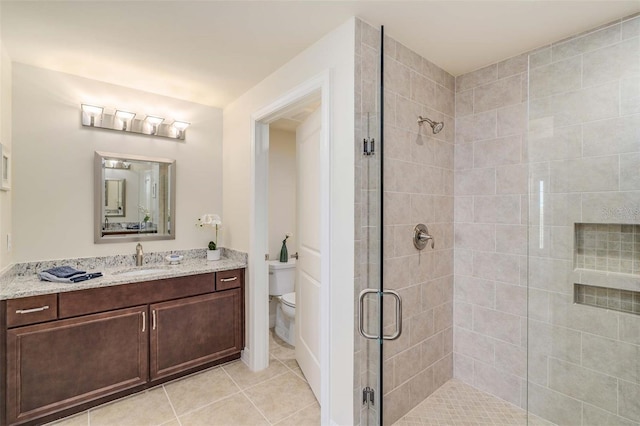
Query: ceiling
210, 52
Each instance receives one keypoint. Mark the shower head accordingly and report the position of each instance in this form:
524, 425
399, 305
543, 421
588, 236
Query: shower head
435, 126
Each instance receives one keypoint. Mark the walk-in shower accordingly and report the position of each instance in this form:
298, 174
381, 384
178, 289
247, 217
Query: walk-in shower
435, 126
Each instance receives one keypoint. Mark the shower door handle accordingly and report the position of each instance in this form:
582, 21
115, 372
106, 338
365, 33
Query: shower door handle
398, 304
398, 331
363, 293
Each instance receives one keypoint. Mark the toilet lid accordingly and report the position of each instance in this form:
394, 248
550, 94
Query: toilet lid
289, 299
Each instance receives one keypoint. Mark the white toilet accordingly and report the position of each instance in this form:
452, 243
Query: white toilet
282, 281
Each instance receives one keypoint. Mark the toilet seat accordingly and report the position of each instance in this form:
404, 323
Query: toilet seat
289, 299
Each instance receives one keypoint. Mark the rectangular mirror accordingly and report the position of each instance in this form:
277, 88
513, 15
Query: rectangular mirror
134, 198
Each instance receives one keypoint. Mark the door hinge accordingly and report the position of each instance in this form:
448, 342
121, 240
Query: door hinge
368, 146
368, 396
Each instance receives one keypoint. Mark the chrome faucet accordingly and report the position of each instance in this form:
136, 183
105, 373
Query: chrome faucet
139, 255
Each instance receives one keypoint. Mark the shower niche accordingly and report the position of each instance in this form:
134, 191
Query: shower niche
607, 261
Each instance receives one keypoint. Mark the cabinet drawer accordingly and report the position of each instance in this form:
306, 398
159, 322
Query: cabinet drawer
229, 279
32, 310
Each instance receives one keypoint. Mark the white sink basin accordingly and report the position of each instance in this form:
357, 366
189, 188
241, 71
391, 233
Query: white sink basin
138, 272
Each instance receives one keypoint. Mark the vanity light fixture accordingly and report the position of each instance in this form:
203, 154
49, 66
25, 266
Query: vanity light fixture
125, 117
124, 121
155, 122
92, 112
180, 127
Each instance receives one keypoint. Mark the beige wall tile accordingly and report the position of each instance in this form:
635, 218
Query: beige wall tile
501, 93
475, 236
476, 127
593, 416
612, 63
475, 182
406, 365
497, 382
463, 368
631, 28
614, 136
476, 78
540, 57
463, 314
572, 380
443, 316
511, 359
422, 327
474, 345
512, 120
611, 357
557, 77
397, 403
629, 96
591, 41
630, 328
610, 207
511, 239
511, 179
421, 386
585, 174
464, 103
496, 266
503, 209
502, 326
443, 370
629, 172
475, 291
463, 155
432, 350
511, 299
554, 406
423, 90
515, 65
583, 318
463, 211
556, 144
422, 208
629, 400
497, 152
407, 112
593, 103
434, 72
408, 57
444, 100
550, 274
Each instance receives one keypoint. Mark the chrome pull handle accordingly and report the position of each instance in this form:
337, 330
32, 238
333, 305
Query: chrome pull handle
153, 319
363, 333
224, 280
32, 310
398, 331
144, 321
421, 237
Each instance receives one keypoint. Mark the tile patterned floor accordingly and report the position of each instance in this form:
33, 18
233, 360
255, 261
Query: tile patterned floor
227, 395
456, 404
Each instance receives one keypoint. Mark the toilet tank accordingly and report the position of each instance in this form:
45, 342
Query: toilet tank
282, 277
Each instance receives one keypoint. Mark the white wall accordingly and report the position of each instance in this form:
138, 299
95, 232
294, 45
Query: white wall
334, 52
282, 191
5, 139
53, 163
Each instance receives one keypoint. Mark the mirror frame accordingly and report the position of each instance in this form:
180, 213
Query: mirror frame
98, 198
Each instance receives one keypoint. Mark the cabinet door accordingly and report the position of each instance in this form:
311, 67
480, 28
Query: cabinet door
61, 364
189, 332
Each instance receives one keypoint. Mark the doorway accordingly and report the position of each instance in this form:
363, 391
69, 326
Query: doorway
312, 93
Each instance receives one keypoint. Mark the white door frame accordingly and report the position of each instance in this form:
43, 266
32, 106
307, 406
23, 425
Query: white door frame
256, 356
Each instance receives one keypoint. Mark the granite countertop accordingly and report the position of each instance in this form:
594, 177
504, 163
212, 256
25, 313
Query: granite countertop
27, 283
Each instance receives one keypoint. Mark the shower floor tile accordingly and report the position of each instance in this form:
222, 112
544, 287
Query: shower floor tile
456, 404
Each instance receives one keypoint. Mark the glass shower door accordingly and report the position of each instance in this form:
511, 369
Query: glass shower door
584, 230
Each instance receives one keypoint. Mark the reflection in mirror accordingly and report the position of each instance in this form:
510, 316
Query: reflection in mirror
146, 185
114, 196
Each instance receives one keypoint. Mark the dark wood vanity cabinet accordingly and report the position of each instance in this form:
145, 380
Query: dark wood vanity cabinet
61, 363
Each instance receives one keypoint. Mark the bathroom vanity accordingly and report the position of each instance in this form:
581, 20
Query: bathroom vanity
66, 351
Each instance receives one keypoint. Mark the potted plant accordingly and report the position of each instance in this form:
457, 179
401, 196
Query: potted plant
212, 221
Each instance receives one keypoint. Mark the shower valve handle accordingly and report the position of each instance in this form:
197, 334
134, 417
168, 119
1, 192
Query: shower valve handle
421, 237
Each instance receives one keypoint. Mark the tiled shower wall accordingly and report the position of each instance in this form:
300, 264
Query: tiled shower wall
491, 229
418, 188
582, 147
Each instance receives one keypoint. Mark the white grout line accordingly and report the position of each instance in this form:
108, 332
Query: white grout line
171, 405
247, 396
